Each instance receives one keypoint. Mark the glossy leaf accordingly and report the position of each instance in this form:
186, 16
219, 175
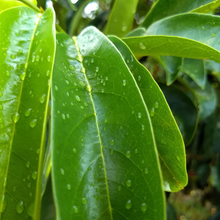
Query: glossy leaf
164, 8
27, 42
196, 70
169, 149
7, 4
183, 109
178, 36
121, 17
105, 149
205, 98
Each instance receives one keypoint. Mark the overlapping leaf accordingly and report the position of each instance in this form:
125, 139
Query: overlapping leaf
103, 143
27, 42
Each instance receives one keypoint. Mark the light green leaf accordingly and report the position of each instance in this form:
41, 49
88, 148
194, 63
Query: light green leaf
103, 143
7, 4
178, 36
121, 17
166, 8
184, 111
196, 70
28, 47
169, 141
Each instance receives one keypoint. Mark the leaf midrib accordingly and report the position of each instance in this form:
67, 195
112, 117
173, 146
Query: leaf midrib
97, 126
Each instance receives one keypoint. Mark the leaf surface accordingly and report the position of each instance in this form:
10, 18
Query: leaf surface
27, 42
105, 149
166, 8
169, 141
121, 17
7, 4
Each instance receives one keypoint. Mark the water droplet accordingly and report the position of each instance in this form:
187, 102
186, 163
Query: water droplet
74, 150
78, 98
28, 164
128, 204
152, 111
34, 175
124, 28
111, 152
75, 209
84, 201
42, 98
37, 58
97, 69
177, 158
13, 56
135, 151
92, 60
68, 186
33, 122
63, 116
20, 207
142, 46
128, 183
124, 82
48, 58
20, 51
72, 67
203, 27
56, 88
143, 207
146, 171
28, 112
156, 105
213, 34
139, 78
112, 142
22, 76
48, 73
102, 90
142, 127
139, 114
38, 151
128, 154
5, 182
16, 117
62, 171
119, 188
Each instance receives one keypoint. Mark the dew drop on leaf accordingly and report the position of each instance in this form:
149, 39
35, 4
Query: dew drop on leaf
28, 164
142, 46
62, 171
75, 209
143, 207
74, 150
16, 117
42, 98
128, 204
112, 142
68, 186
48, 58
72, 67
34, 175
28, 112
33, 122
146, 171
84, 201
128, 183
139, 114
119, 188
124, 82
20, 207
128, 154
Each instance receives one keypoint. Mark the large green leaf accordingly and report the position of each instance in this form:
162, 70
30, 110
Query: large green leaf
28, 47
178, 36
102, 136
6, 4
183, 109
169, 148
121, 17
165, 8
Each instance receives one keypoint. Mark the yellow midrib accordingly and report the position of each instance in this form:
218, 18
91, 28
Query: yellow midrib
97, 126
19, 101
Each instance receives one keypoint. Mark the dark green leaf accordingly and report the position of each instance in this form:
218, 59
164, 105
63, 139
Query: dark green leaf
183, 109
28, 47
103, 144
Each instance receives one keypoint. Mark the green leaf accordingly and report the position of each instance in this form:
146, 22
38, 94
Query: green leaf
196, 70
164, 8
102, 137
121, 17
169, 148
172, 67
178, 36
7, 4
184, 111
28, 45
205, 98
